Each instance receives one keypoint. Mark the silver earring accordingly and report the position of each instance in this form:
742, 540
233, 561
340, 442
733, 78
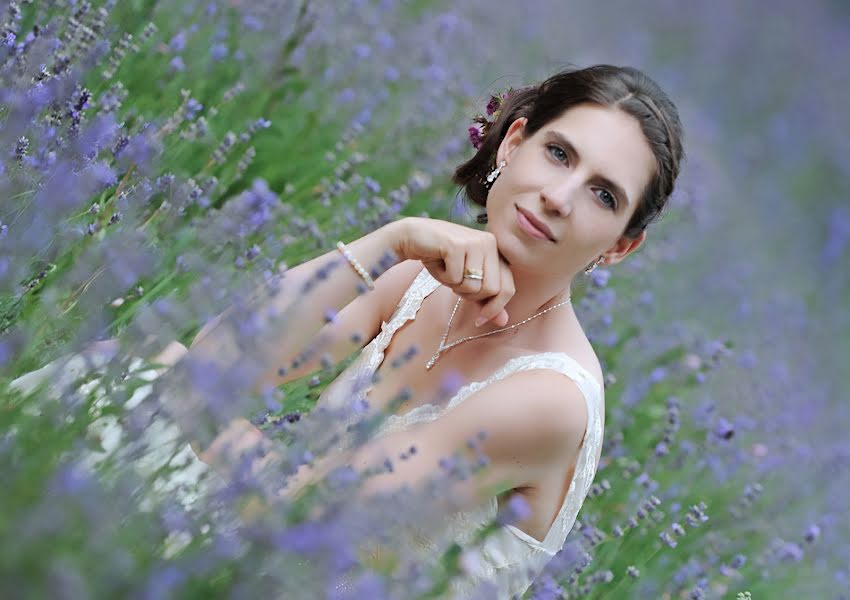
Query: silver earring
599, 261
494, 174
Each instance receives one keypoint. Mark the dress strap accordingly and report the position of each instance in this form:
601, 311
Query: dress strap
423, 284
350, 387
588, 458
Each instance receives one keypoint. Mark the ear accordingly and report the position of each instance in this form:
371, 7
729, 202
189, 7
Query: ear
513, 138
623, 248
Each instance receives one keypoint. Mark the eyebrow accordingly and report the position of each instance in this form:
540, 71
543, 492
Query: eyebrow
618, 190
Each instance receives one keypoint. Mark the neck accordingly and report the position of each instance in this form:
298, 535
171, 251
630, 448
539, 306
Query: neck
534, 293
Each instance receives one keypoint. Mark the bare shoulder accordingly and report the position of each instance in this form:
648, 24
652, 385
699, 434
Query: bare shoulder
581, 350
593, 366
532, 419
543, 399
392, 284
522, 426
588, 359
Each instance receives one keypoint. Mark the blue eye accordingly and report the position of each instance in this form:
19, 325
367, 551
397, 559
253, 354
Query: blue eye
556, 147
611, 201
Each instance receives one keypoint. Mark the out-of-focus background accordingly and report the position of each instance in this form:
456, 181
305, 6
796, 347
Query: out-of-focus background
161, 156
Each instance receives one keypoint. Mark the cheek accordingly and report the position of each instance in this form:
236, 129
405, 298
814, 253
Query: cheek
500, 198
521, 182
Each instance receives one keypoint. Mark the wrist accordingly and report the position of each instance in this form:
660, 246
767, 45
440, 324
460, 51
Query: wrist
396, 232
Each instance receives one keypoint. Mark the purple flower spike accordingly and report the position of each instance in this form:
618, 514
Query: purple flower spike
723, 429
252, 23
812, 533
178, 42
791, 552
218, 51
519, 508
738, 561
391, 74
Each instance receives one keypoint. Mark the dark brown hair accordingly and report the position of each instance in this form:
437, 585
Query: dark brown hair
623, 88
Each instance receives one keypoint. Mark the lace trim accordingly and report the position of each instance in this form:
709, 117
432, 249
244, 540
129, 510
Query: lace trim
405, 311
559, 361
586, 464
373, 355
351, 387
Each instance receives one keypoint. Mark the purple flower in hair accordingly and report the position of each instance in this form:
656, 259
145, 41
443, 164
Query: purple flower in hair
477, 132
493, 105
475, 136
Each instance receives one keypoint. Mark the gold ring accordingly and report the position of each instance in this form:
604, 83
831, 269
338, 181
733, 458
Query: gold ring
473, 274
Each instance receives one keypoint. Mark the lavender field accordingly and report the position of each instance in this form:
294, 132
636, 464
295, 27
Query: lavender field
163, 159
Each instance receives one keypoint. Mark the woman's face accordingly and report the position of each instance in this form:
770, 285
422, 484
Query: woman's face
581, 175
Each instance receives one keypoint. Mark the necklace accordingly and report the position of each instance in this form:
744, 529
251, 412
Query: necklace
443, 347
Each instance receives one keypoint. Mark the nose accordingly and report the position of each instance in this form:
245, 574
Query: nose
558, 196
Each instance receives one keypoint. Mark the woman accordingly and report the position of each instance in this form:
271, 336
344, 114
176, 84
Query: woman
570, 172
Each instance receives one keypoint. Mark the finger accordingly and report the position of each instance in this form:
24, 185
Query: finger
474, 262
500, 320
492, 271
436, 267
455, 259
490, 311
496, 305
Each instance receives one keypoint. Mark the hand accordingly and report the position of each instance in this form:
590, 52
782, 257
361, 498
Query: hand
238, 436
447, 249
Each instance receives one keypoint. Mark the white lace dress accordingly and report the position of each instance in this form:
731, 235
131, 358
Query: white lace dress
511, 558
161, 439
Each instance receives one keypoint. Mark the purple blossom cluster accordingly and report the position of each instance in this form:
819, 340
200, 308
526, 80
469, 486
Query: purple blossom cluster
721, 340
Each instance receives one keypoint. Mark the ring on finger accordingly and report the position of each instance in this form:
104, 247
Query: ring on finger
473, 274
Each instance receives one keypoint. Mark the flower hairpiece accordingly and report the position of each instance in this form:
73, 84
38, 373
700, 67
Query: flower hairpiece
482, 126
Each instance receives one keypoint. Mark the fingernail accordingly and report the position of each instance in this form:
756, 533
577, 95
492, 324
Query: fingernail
480, 321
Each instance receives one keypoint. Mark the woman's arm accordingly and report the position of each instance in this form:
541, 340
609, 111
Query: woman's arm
304, 300
285, 322
221, 445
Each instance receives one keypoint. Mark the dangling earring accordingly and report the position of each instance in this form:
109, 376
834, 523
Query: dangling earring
599, 261
494, 174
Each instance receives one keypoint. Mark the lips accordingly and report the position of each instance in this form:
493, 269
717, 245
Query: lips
537, 223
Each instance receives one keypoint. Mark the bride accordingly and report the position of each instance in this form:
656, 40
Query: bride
570, 173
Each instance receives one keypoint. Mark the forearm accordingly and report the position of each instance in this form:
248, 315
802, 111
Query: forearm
294, 485
308, 294
284, 322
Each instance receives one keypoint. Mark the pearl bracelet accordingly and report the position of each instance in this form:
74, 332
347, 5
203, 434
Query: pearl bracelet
357, 266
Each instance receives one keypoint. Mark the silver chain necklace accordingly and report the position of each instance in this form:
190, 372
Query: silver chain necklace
443, 347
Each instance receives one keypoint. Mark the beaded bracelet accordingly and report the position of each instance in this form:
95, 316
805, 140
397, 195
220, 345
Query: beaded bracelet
357, 266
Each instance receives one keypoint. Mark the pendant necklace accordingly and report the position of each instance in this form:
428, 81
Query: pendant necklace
443, 347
